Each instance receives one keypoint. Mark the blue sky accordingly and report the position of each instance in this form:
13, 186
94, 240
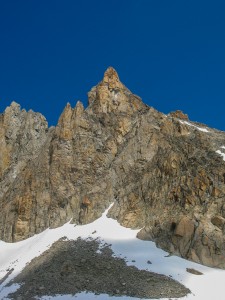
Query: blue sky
169, 52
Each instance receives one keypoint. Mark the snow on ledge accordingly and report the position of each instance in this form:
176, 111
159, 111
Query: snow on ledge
221, 153
199, 128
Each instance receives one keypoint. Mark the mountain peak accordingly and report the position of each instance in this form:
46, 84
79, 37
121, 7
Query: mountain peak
111, 78
110, 71
111, 95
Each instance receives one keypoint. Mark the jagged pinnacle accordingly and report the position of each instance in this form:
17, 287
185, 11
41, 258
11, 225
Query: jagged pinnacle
110, 73
111, 78
111, 95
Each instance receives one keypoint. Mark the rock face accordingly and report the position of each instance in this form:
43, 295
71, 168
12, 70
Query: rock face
163, 174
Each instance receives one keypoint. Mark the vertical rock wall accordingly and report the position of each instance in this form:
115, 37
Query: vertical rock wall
163, 174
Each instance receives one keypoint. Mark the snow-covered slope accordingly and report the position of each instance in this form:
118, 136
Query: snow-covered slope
197, 127
124, 243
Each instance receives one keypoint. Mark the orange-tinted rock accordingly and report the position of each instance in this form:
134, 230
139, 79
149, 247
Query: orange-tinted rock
179, 114
110, 95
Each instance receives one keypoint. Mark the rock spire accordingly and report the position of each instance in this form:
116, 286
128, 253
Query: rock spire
111, 95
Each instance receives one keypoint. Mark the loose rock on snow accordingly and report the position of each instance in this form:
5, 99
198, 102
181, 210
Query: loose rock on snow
70, 267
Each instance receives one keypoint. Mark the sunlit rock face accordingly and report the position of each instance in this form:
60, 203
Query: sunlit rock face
162, 173
110, 95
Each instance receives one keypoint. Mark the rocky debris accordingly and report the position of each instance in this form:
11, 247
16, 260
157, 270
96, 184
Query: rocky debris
9, 271
193, 271
163, 175
70, 267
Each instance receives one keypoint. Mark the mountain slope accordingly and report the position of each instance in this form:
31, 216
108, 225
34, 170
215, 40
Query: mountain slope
124, 244
163, 172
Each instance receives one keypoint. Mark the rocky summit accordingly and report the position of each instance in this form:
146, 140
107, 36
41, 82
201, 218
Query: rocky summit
164, 173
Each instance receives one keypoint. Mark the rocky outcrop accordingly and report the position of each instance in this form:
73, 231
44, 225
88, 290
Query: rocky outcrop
163, 174
110, 95
22, 135
179, 114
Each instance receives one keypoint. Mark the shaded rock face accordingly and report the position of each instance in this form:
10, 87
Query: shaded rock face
163, 175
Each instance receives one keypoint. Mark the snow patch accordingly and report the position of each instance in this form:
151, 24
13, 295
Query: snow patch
221, 153
189, 124
90, 296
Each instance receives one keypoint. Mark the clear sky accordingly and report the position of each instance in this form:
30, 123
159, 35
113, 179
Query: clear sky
169, 52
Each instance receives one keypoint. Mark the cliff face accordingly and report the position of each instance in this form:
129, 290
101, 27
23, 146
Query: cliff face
161, 171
